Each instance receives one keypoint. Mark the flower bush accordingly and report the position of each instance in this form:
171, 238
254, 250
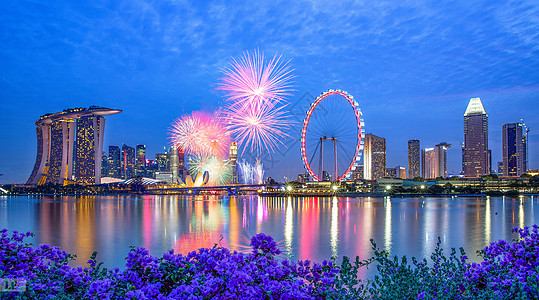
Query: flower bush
509, 270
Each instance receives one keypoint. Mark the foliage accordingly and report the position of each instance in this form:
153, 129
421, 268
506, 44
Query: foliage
509, 270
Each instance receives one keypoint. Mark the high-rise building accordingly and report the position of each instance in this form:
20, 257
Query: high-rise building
162, 162
173, 158
400, 172
233, 157
128, 162
434, 161
357, 174
514, 146
140, 163
374, 158
182, 169
104, 164
391, 172
70, 139
90, 130
475, 152
115, 162
414, 156
500, 168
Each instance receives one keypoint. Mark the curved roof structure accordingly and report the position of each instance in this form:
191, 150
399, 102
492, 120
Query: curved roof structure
74, 113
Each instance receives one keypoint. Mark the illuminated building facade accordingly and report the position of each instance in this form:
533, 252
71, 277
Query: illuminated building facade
232, 158
115, 162
61, 136
391, 173
357, 174
374, 159
90, 130
400, 172
162, 162
414, 157
128, 162
475, 160
104, 165
174, 163
514, 144
434, 161
140, 160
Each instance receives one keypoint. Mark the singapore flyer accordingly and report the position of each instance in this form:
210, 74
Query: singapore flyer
332, 136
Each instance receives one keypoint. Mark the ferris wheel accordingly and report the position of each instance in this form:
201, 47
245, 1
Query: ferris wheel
334, 120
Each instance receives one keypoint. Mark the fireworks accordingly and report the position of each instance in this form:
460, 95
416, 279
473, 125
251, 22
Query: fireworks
220, 171
200, 133
251, 81
254, 108
251, 174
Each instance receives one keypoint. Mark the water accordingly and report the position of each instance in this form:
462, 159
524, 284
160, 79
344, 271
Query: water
306, 228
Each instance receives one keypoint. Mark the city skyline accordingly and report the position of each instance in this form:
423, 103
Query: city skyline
411, 67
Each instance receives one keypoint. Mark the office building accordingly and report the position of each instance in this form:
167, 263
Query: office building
67, 140
374, 158
500, 168
115, 162
357, 173
104, 165
434, 161
140, 161
128, 162
400, 172
232, 158
414, 157
475, 160
162, 162
391, 172
514, 146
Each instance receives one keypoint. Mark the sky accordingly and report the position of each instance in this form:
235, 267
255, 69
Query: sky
411, 65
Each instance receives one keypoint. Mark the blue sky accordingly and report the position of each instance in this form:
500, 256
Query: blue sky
412, 66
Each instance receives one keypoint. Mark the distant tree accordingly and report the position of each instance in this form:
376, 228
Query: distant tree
419, 179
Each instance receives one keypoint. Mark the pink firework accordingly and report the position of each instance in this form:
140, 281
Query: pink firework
259, 128
255, 100
200, 133
250, 80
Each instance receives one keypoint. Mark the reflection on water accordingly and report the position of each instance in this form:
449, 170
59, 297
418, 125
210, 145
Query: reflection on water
306, 228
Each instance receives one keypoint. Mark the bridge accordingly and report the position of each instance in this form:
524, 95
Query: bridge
232, 189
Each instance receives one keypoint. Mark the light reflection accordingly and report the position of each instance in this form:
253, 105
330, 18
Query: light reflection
289, 227
387, 220
487, 221
334, 231
521, 213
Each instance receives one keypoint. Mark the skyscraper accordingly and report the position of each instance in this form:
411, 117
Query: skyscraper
173, 158
140, 163
90, 130
104, 165
434, 161
162, 162
61, 136
115, 163
413, 159
374, 159
233, 157
514, 149
128, 162
475, 151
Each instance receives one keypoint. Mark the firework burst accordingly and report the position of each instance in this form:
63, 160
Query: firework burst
220, 171
251, 174
249, 80
200, 133
255, 101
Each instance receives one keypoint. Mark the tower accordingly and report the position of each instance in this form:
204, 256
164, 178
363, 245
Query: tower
140, 160
413, 159
475, 160
514, 149
67, 140
128, 161
232, 158
374, 159
115, 163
